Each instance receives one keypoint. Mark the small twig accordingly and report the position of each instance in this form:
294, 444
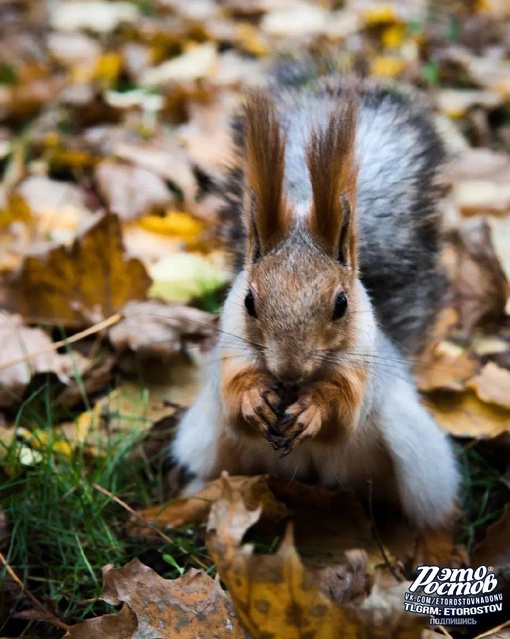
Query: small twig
378, 536
148, 524
47, 614
110, 321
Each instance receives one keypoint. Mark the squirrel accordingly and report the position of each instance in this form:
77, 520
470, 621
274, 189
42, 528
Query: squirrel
333, 204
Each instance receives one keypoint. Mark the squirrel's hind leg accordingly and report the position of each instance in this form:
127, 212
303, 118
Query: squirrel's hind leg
424, 463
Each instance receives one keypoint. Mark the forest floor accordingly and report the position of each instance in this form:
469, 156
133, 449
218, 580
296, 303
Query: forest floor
113, 131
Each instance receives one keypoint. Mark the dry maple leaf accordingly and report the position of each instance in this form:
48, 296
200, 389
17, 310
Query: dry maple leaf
84, 283
190, 607
277, 597
157, 330
19, 361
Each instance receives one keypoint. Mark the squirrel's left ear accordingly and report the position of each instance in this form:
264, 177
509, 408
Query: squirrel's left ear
333, 173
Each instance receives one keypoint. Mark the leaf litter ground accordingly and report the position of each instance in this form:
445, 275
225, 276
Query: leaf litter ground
113, 131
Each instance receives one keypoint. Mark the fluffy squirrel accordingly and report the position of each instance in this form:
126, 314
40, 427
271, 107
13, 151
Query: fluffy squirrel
334, 206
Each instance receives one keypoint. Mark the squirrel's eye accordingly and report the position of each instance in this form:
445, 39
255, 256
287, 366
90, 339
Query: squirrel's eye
340, 306
249, 302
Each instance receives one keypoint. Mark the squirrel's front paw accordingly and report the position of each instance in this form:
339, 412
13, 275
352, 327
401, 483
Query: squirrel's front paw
260, 407
303, 419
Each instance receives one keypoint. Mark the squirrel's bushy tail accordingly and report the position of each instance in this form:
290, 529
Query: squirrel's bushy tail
400, 155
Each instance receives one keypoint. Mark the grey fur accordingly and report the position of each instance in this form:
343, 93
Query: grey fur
400, 155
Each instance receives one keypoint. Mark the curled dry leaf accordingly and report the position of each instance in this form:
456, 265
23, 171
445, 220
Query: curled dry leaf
18, 341
479, 284
494, 549
163, 608
446, 367
492, 385
131, 191
194, 509
157, 330
82, 284
277, 597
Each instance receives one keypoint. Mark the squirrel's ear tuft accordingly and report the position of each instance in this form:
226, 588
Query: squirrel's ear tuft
333, 173
266, 212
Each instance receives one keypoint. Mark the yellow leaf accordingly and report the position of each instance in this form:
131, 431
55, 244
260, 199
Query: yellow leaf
85, 283
464, 415
393, 36
174, 223
250, 39
184, 276
387, 66
15, 210
108, 68
380, 14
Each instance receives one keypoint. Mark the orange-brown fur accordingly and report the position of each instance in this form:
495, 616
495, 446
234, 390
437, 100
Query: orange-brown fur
265, 150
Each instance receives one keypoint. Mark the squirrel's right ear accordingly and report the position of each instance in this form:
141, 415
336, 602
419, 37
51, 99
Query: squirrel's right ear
267, 219
333, 174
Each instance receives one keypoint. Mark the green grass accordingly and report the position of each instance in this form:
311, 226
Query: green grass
63, 530
484, 494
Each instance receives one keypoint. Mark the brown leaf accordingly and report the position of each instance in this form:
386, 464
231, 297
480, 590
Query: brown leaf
494, 549
277, 597
195, 509
446, 367
85, 283
19, 342
131, 191
479, 284
492, 385
481, 180
157, 330
164, 157
464, 415
163, 608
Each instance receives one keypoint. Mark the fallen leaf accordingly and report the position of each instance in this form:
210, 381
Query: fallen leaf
494, 549
480, 288
492, 385
85, 283
159, 331
164, 157
276, 595
455, 102
184, 276
500, 232
163, 608
480, 181
447, 367
464, 415
299, 21
19, 342
131, 191
198, 62
97, 15
58, 208
174, 224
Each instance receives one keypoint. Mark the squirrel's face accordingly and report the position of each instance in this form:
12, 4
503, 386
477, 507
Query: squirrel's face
300, 309
301, 257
